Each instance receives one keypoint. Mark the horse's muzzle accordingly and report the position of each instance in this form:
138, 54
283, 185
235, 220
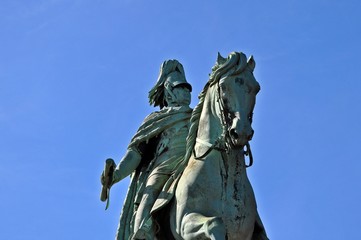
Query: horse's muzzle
240, 139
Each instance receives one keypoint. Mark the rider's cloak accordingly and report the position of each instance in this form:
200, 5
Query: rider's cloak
145, 141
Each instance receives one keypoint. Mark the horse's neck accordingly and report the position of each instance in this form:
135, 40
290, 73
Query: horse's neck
210, 126
211, 129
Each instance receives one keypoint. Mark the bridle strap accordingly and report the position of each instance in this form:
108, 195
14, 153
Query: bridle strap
223, 142
217, 145
222, 111
205, 143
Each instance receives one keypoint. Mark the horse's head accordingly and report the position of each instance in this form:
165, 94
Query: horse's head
223, 116
237, 89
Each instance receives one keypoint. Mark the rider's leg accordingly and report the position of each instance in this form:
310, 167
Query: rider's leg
153, 187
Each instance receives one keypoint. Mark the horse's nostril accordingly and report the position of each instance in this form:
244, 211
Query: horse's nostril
234, 134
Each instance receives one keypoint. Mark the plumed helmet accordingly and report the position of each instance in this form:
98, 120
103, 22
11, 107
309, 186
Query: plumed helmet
176, 79
171, 75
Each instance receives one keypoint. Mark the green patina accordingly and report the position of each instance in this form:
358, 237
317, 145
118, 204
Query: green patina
188, 168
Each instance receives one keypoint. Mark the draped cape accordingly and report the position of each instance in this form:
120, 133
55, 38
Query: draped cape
152, 127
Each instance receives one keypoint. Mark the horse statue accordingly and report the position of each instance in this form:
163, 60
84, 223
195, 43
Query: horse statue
214, 198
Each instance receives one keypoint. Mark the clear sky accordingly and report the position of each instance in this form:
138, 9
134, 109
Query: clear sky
74, 79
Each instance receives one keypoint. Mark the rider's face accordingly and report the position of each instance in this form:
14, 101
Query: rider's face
182, 95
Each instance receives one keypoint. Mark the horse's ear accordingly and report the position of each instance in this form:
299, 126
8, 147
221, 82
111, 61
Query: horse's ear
251, 63
220, 60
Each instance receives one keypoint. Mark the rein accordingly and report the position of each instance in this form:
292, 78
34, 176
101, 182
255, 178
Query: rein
223, 142
217, 145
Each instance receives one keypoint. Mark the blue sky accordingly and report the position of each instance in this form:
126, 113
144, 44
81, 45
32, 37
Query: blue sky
74, 79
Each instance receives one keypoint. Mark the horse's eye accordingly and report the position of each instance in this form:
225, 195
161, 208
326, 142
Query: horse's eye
240, 81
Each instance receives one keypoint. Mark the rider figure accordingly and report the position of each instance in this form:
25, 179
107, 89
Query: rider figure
155, 152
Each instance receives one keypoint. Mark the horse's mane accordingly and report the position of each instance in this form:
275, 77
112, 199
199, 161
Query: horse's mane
234, 64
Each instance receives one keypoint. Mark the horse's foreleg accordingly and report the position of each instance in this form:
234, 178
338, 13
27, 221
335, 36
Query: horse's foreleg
197, 226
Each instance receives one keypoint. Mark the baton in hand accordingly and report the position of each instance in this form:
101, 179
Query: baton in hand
107, 179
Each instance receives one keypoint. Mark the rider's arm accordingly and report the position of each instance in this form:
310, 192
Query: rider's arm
127, 165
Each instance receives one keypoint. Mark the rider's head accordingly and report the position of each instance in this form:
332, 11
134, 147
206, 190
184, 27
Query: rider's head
172, 88
177, 90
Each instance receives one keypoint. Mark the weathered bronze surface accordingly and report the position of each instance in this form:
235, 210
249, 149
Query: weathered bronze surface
188, 168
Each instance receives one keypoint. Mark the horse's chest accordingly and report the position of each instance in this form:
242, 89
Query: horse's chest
238, 202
